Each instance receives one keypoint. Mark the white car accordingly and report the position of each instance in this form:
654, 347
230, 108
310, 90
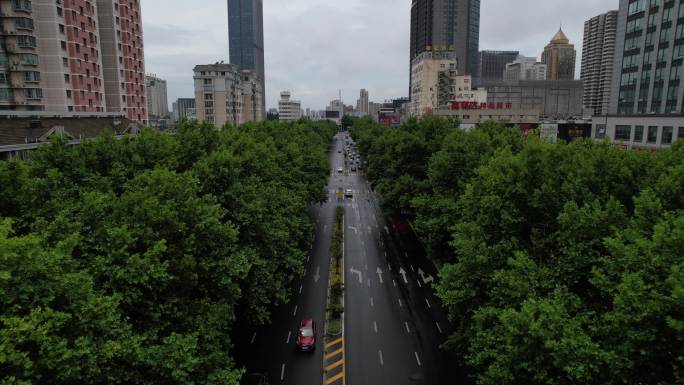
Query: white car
340, 170
348, 193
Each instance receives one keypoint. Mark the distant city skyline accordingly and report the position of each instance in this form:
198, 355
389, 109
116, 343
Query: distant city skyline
314, 49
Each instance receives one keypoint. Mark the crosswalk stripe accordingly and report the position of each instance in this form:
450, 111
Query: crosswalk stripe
334, 378
333, 354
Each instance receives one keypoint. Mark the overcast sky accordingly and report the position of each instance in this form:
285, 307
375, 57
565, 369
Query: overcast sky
316, 47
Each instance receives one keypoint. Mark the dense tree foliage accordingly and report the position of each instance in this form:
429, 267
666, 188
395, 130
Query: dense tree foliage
560, 263
128, 261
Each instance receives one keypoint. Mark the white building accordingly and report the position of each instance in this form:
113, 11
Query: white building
435, 83
525, 68
157, 102
289, 109
362, 103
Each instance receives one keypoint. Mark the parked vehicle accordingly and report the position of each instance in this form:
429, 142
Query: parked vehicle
306, 339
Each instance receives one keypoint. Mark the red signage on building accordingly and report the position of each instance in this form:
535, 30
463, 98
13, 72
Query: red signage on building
458, 105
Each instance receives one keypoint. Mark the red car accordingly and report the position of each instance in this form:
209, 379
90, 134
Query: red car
306, 339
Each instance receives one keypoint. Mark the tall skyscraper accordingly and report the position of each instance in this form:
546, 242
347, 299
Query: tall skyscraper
646, 100
560, 57
598, 54
492, 64
362, 103
123, 58
246, 38
447, 25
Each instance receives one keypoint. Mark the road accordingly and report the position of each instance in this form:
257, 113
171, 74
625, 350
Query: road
393, 323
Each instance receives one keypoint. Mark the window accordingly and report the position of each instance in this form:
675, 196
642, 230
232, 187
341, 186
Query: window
64, 45
635, 7
667, 14
623, 133
67, 78
3, 59
32, 76
23, 23
3, 78
639, 134
26, 41
667, 135
68, 94
652, 134
680, 131
664, 35
59, 12
33, 93
5, 94
22, 5
61, 29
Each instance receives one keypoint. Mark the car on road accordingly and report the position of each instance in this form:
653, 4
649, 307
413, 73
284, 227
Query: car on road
306, 338
340, 170
353, 168
348, 193
254, 379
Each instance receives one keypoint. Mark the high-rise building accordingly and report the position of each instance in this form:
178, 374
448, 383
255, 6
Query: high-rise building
436, 82
83, 56
123, 60
288, 108
447, 25
157, 102
598, 55
525, 68
50, 58
560, 57
184, 108
246, 38
492, 64
646, 99
362, 103
225, 94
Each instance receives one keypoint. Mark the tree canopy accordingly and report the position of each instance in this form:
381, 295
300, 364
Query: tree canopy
128, 261
559, 263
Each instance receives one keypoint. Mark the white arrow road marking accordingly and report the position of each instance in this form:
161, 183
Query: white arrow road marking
318, 274
356, 231
353, 271
379, 272
426, 278
403, 274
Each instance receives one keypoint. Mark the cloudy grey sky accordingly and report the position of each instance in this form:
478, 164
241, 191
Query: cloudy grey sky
315, 47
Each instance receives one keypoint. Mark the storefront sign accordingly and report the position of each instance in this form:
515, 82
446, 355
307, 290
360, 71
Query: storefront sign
461, 105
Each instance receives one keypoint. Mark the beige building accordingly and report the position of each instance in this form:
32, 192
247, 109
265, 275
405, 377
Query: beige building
224, 94
289, 109
560, 56
476, 113
435, 83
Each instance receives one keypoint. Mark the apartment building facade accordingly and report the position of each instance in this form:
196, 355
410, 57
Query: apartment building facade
525, 68
157, 99
54, 55
225, 94
598, 56
646, 107
289, 109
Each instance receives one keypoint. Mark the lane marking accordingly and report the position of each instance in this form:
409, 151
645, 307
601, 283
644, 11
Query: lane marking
428, 303
417, 359
407, 328
253, 338
333, 366
334, 378
382, 362
333, 354
282, 372
419, 285
371, 302
369, 285
438, 328
375, 326
295, 311
400, 305
289, 334
413, 268
300, 288
395, 283
333, 343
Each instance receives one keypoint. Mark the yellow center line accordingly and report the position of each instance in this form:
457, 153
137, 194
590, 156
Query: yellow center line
333, 354
334, 378
333, 343
333, 366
